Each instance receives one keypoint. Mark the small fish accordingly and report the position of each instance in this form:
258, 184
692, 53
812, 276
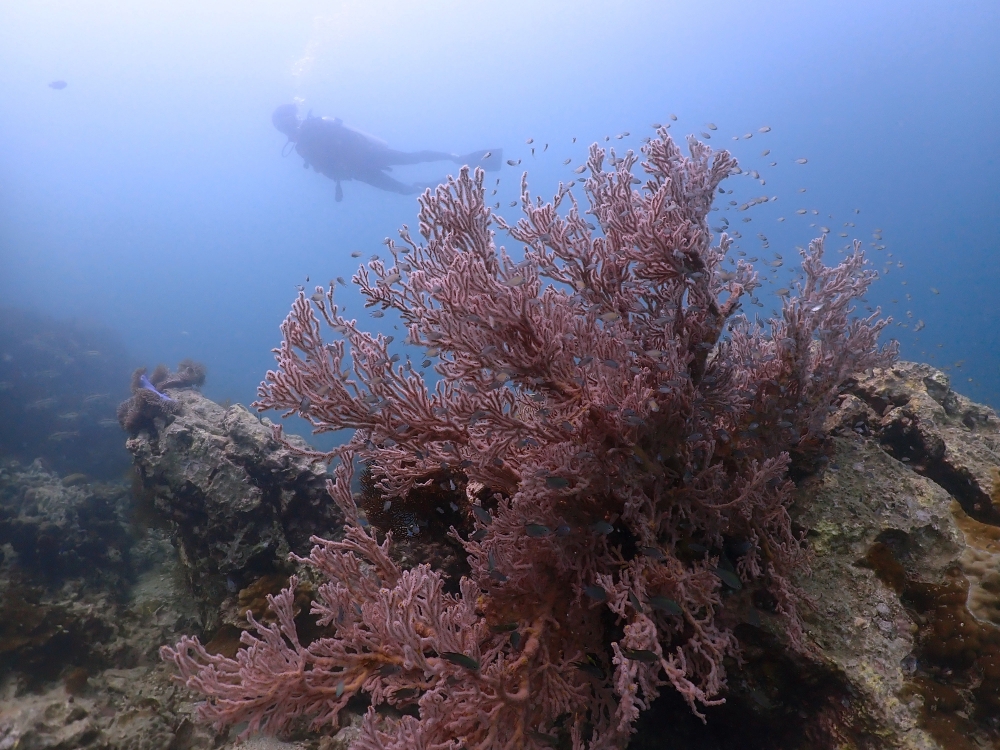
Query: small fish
58, 437
602, 527
590, 667
765, 129
765, 152
378, 314
711, 126
504, 628
512, 163
729, 578
801, 161
566, 161
530, 141
596, 593
478, 536
653, 553
643, 655
461, 660
488, 154
563, 530
665, 604
581, 169
574, 139
387, 670
546, 148
512, 204
386, 505
546, 738
935, 291
355, 254
514, 281
536, 530
92, 353
609, 317
673, 117
482, 514
58, 85
340, 280
317, 297
70, 415
107, 422
783, 292
556, 483
634, 601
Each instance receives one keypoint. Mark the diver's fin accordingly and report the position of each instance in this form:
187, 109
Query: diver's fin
489, 159
340, 192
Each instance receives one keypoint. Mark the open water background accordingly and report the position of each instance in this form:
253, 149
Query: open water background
150, 197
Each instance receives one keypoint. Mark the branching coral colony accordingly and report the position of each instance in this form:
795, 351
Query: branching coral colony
624, 436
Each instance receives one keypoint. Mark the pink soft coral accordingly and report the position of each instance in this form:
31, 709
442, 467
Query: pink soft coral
625, 429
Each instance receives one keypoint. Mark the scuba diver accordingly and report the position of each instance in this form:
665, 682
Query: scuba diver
342, 153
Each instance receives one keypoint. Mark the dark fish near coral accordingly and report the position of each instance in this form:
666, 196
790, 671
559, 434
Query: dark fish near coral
590, 667
729, 578
642, 655
461, 660
602, 527
58, 85
665, 604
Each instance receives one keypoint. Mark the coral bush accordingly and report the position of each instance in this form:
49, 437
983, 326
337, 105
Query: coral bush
623, 434
148, 402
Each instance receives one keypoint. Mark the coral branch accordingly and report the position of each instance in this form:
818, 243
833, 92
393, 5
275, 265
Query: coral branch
623, 437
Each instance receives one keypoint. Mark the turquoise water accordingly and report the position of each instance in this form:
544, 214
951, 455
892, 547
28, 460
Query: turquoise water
149, 195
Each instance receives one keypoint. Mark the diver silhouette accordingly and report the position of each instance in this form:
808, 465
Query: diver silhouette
342, 153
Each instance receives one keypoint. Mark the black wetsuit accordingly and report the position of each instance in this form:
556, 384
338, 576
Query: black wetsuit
340, 153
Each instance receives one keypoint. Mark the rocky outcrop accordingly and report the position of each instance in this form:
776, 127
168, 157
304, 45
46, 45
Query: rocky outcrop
65, 527
239, 500
899, 511
903, 592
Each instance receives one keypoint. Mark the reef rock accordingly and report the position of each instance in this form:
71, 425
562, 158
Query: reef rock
898, 508
65, 527
239, 500
901, 605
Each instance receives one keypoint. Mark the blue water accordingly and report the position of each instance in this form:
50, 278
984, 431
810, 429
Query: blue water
150, 194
